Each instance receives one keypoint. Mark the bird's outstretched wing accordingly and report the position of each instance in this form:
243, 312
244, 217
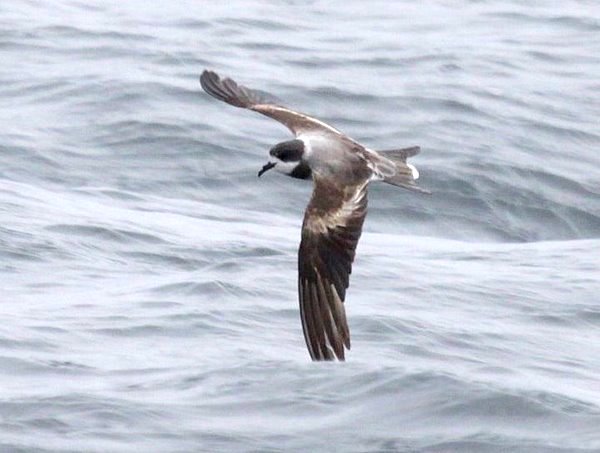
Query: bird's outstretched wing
229, 91
332, 227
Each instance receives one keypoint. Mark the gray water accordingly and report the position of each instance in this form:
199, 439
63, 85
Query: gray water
148, 278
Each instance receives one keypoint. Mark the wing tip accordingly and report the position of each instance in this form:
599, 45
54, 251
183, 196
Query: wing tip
224, 89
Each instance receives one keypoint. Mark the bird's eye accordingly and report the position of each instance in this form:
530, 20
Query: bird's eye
289, 155
288, 151
285, 155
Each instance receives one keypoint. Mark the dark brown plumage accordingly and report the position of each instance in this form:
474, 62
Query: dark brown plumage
341, 169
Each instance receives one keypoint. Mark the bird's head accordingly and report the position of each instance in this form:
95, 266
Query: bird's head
286, 158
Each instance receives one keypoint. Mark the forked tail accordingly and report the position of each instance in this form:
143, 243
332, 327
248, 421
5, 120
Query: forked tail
405, 174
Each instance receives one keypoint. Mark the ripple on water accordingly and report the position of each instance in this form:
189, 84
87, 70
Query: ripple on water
106, 233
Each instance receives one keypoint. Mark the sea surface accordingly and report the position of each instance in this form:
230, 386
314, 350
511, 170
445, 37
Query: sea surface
148, 278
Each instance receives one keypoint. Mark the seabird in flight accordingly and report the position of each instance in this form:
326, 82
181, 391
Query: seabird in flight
341, 170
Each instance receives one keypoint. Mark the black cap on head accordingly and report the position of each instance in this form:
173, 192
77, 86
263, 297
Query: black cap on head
290, 151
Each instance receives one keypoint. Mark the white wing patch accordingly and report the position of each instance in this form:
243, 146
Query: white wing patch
415, 172
348, 208
340, 216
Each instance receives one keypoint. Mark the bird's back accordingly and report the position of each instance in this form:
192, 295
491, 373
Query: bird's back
336, 157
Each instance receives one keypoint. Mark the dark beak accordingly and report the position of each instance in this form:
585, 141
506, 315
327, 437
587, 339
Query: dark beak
265, 168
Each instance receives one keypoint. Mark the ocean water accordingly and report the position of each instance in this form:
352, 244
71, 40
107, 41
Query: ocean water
148, 278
